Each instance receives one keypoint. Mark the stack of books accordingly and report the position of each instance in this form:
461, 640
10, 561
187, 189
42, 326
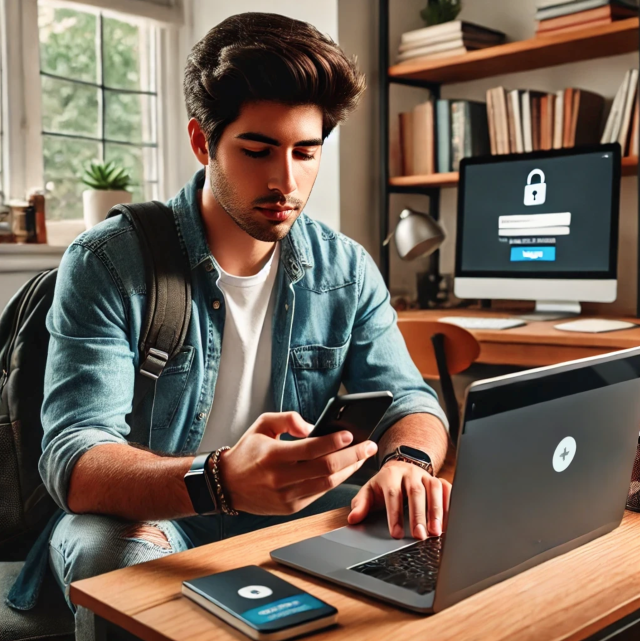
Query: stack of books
522, 121
437, 134
446, 39
622, 123
560, 16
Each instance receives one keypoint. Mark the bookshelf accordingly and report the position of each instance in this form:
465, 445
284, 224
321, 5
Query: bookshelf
629, 168
535, 53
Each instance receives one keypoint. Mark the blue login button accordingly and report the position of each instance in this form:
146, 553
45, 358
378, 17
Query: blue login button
533, 253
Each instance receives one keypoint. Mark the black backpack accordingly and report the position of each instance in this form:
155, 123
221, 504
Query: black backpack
25, 505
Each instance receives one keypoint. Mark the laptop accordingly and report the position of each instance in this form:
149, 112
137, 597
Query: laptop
543, 466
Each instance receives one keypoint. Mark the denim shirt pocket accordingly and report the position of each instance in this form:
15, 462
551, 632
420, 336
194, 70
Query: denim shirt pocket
317, 371
170, 388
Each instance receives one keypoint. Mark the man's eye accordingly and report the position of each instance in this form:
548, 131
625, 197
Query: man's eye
304, 156
256, 154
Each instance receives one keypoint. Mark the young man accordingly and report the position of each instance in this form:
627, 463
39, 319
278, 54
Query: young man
284, 310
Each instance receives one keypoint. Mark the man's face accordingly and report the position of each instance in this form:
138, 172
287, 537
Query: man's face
265, 166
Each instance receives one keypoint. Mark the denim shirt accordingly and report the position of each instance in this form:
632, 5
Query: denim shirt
332, 324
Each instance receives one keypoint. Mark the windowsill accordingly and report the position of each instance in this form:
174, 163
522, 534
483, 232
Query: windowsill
18, 257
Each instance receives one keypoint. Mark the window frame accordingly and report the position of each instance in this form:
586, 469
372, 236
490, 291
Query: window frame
22, 141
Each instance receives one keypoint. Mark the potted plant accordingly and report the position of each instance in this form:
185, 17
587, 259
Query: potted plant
439, 11
107, 187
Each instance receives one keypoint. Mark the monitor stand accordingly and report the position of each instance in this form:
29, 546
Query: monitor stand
547, 310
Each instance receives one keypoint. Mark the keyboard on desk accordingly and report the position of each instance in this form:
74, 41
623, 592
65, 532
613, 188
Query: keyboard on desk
482, 322
414, 567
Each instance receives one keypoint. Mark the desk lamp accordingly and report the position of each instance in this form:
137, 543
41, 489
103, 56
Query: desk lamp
417, 235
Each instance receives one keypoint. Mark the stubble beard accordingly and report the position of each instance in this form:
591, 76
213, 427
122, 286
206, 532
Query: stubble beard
261, 229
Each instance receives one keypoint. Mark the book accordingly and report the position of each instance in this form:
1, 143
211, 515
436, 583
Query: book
535, 120
583, 19
608, 135
555, 11
476, 130
449, 28
501, 121
627, 112
406, 142
541, 4
511, 124
558, 120
586, 118
633, 139
481, 39
436, 48
514, 96
547, 112
442, 54
525, 111
491, 117
423, 133
443, 129
569, 106
457, 133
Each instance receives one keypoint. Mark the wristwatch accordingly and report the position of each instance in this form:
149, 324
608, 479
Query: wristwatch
411, 455
200, 487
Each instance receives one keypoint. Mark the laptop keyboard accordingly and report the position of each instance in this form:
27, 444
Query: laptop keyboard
414, 567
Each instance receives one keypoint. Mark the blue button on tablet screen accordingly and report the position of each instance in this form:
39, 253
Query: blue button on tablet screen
533, 254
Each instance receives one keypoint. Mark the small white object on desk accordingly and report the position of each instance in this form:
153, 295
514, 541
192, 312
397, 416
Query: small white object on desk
482, 322
594, 325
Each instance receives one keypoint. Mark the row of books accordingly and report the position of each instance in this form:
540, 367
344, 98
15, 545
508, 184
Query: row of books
446, 39
437, 134
460, 128
560, 16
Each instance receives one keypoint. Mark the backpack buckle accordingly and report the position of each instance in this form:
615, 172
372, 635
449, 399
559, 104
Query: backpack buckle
154, 363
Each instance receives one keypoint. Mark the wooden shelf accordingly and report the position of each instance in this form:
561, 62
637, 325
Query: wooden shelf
535, 53
629, 168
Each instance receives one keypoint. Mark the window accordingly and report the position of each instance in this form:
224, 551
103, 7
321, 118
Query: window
99, 101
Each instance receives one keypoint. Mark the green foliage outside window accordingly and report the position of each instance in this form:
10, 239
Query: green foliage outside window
69, 48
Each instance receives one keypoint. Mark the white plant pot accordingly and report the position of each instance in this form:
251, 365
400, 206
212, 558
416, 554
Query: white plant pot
98, 202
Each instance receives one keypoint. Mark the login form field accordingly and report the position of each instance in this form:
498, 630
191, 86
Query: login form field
550, 215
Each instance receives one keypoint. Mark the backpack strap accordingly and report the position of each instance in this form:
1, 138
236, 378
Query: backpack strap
168, 280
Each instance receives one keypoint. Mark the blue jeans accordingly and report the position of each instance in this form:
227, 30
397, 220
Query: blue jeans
85, 545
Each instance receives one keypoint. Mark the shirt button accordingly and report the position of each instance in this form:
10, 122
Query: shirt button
216, 304
201, 416
286, 306
208, 266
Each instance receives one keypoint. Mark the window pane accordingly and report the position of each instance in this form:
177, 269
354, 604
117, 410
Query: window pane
64, 163
68, 43
128, 157
69, 108
130, 117
127, 56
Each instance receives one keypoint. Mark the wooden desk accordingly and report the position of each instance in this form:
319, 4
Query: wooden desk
568, 598
536, 343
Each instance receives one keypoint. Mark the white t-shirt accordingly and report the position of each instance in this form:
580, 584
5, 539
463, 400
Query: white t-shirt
243, 388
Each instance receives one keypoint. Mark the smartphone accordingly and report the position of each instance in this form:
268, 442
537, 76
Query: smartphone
356, 413
260, 604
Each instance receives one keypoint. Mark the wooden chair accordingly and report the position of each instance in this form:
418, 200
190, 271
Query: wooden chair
440, 350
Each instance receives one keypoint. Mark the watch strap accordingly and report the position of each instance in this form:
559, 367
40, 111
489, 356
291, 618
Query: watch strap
199, 486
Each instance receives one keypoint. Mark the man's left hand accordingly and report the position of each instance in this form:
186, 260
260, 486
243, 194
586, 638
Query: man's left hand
427, 496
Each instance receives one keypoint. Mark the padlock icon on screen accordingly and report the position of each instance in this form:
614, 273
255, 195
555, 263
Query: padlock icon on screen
535, 193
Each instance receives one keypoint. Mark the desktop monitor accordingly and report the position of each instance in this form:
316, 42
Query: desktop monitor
541, 226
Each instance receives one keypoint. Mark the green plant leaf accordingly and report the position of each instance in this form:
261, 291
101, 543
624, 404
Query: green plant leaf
106, 176
439, 11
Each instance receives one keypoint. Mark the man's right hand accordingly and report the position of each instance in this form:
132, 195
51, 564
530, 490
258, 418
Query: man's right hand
262, 474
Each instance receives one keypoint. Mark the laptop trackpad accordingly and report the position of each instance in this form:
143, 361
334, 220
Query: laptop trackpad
371, 535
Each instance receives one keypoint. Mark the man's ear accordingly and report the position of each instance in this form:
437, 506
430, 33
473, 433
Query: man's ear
198, 142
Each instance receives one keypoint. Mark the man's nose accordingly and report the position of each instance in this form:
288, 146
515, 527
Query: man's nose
282, 178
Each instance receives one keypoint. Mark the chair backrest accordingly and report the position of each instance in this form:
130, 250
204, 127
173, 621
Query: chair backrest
461, 347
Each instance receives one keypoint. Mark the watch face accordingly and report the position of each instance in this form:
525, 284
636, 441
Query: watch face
412, 452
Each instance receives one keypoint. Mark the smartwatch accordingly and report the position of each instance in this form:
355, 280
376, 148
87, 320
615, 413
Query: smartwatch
411, 455
199, 485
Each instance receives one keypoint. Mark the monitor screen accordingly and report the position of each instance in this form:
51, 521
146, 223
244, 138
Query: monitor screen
542, 215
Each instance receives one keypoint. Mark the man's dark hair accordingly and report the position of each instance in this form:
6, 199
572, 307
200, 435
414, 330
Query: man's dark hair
265, 56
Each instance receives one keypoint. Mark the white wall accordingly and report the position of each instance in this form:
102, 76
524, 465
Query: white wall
516, 19
202, 15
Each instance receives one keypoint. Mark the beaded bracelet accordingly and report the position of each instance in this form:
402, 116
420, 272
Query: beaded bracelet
224, 506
